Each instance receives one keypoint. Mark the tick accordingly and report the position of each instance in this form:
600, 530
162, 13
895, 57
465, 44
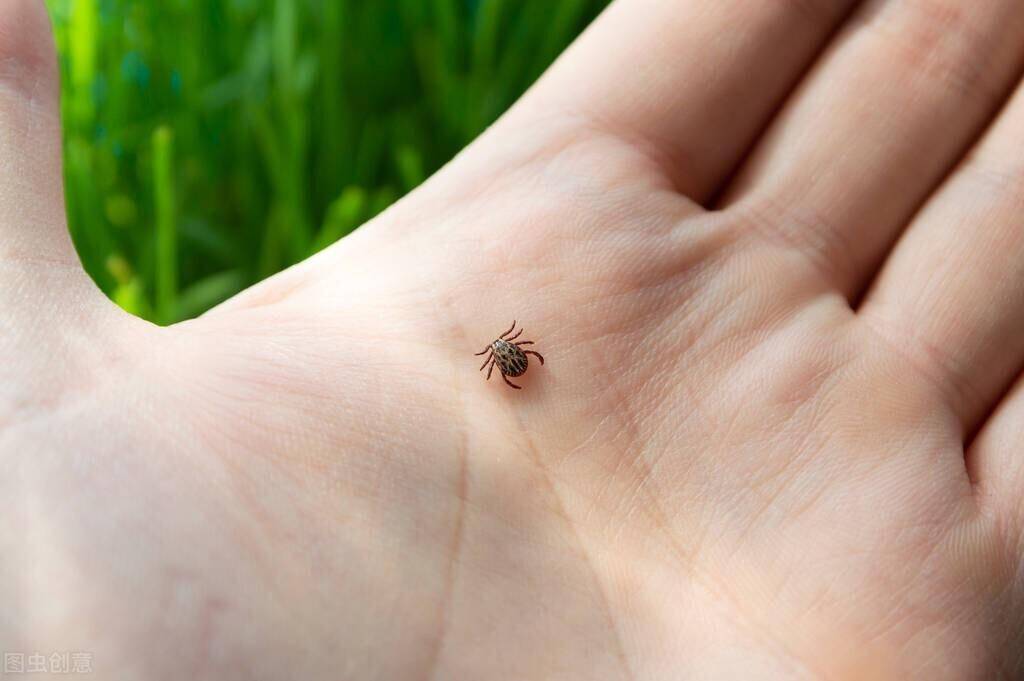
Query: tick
509, 357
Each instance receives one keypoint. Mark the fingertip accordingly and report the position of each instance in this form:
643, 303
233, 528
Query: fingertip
28, 55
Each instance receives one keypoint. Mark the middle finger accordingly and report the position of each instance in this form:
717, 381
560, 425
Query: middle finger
888, 111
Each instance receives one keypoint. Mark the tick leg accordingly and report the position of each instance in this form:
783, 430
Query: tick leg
539, 356
523, 343
482, 352
491, 369
485, 362
511, 383
510, 330
515, 336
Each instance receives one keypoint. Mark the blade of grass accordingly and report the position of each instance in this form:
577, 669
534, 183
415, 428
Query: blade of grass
209, 292
166, 226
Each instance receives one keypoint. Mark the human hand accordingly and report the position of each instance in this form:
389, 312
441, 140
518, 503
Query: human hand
775, 437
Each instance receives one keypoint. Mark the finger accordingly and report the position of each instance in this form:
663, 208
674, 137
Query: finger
903, 91
689, 82
36, 253
995, 461
952, 293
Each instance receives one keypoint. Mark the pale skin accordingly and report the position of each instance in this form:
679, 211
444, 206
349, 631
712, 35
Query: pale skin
774, 255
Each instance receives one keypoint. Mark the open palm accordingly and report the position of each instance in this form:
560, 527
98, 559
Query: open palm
773, 255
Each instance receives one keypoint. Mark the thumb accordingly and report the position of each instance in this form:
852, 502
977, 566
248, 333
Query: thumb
39, 269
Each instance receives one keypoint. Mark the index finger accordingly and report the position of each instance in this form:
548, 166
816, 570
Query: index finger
692, 82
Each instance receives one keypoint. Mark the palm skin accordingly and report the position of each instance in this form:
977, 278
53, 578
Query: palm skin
737, 462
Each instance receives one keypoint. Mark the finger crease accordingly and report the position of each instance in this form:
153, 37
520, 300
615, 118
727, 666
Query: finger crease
816, 238
930, 363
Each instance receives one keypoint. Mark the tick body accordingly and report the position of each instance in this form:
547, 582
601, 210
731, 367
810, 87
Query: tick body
507, 354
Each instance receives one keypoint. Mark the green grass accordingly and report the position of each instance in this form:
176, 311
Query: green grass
211, 143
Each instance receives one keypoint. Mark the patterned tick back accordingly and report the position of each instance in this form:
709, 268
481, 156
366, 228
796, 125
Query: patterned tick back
508, 356
511, 360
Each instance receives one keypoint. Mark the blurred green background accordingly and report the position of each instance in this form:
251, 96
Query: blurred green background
211, 143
